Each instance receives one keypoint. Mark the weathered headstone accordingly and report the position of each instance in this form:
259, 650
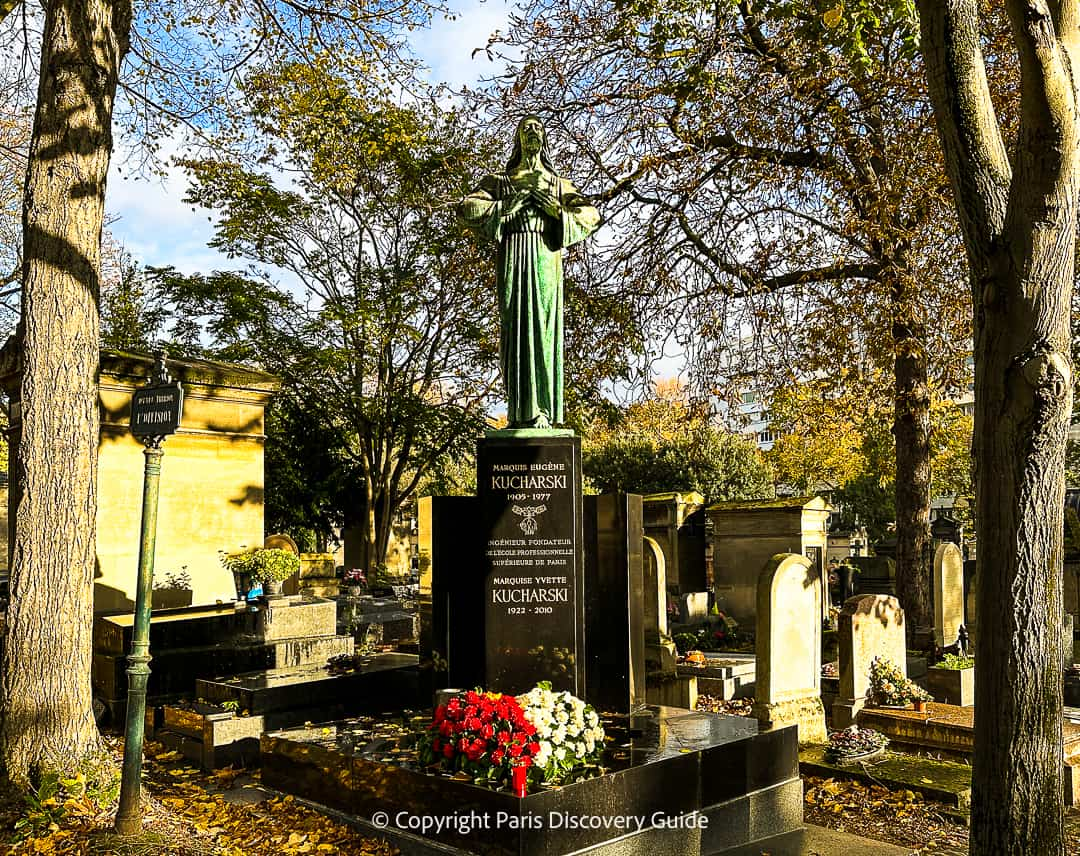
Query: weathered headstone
870, 625
654, 581
948, 593
694, 607
531, 523
660, 653
789, 647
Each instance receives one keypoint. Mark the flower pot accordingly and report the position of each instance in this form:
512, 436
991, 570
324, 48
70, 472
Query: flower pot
243, 585
272, 589
920, 705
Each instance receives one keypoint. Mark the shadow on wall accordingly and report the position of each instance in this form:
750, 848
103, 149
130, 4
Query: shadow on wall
110, 600
251, 495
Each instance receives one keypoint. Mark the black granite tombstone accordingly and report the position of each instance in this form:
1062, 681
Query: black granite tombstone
530, 519
614, 603
451, 593
945, 528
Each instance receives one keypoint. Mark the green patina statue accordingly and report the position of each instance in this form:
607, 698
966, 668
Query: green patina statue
531, 214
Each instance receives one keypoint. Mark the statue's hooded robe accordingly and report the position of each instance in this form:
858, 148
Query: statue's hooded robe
529, 277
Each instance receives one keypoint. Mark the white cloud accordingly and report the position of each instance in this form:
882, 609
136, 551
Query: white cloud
153, 222
447, 47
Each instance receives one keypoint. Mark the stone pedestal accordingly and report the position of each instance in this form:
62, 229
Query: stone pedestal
529, 488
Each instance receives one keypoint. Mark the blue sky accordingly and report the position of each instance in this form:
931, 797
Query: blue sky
157, 228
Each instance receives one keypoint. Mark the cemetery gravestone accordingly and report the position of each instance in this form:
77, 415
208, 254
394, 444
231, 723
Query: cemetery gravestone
877, 574
451, 593
531, 519
660, 654
948, 593
789, 647
870, 625
654, 570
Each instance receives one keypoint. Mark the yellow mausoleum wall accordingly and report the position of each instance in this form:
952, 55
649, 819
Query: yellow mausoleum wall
211, 490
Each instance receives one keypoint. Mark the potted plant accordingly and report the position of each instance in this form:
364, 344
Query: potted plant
270, 566
953, 679
890, 688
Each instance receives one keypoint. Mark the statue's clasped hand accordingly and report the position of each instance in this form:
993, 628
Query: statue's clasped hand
547, 203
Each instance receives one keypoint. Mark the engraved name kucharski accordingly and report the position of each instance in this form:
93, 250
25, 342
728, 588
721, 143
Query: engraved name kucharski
531, 590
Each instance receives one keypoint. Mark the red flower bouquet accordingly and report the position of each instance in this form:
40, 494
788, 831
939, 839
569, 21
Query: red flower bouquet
484, 735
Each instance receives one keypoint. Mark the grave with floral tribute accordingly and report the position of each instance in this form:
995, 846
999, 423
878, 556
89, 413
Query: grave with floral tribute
554, 752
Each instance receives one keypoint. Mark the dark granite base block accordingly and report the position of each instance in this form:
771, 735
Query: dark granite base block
686, 784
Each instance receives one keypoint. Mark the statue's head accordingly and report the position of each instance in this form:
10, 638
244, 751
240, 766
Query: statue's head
530, 138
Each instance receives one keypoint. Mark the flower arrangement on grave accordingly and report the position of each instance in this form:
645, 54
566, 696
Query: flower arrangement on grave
711, 637
568, 732
488, 735
354, 577
889, 686
263, 564
484, 735
854, 742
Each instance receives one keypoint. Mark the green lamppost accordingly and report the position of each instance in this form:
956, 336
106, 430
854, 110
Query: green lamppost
155, 413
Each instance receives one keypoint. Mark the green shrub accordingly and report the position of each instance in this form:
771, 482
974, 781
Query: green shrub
685, 642
262, 564
955, 661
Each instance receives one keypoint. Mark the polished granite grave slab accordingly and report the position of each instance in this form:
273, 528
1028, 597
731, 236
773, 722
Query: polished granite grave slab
384, 681
672, 781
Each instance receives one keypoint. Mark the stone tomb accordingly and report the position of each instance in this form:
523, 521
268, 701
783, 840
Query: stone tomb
214, 736
531, 528
682, 783
211, 477
747, 534
675, 521
206, 642
948, 593
789, 647
870, 625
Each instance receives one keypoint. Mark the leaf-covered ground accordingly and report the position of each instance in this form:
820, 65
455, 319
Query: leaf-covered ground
188, 813
227, 813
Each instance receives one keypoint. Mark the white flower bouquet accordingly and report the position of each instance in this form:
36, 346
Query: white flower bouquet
568, 731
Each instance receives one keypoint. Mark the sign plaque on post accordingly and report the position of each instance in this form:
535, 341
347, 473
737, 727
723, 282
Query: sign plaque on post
156, 410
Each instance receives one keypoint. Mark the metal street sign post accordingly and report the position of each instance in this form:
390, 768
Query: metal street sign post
155, 413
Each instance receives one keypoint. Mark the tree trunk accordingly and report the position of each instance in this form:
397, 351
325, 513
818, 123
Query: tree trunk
911, 427
1023, 399
48, 720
